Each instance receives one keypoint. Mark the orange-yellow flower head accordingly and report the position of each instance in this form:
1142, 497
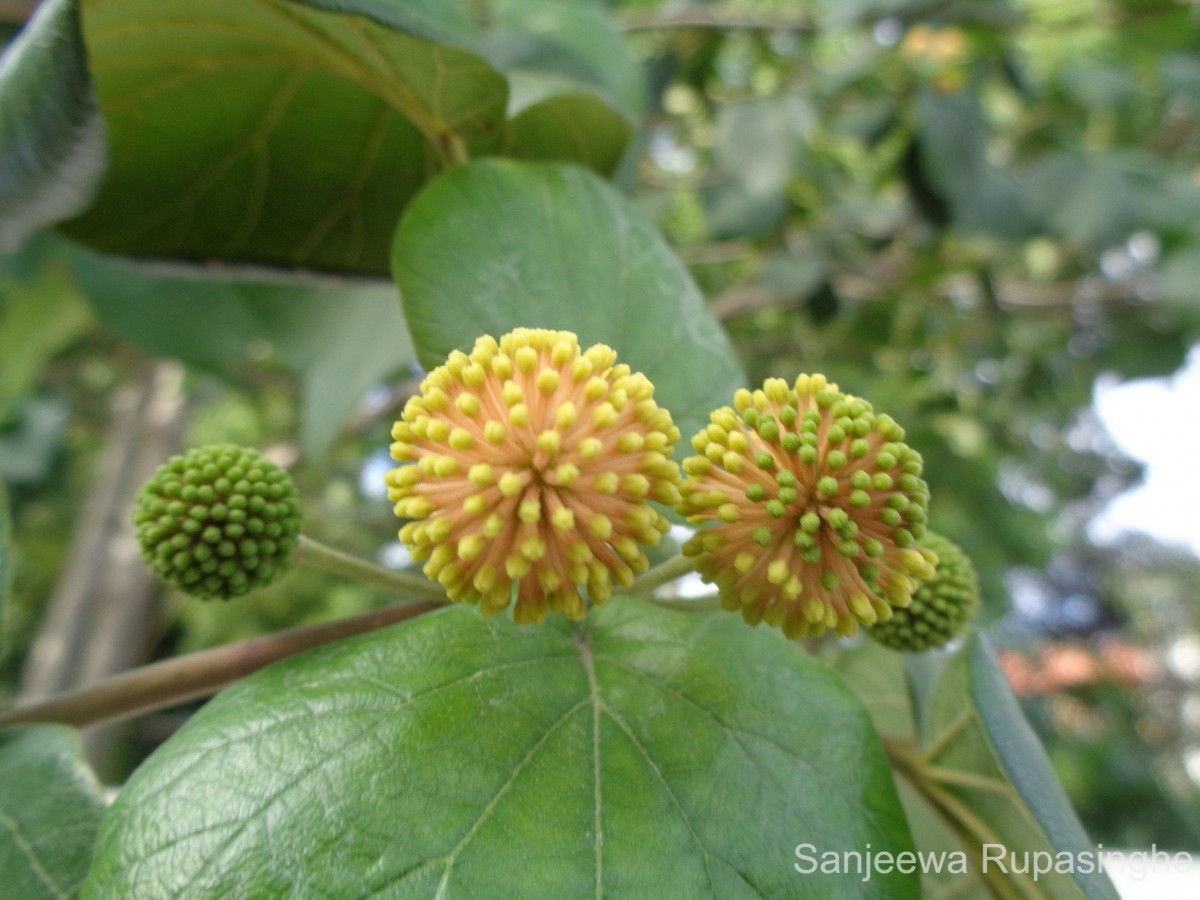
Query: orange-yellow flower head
530, 465
818, 503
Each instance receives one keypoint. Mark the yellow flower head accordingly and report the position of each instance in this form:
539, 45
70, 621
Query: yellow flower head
529, 465
818, 503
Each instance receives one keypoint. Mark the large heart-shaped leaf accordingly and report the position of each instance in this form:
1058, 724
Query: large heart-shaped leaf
289, 133
51, 134
50, 807
273, 131
643, 754
975, 778
496, 245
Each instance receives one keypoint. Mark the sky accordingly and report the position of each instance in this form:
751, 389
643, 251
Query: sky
1157, 422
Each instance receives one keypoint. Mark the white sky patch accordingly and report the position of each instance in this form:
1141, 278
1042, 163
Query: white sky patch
1157, 422
1136, 876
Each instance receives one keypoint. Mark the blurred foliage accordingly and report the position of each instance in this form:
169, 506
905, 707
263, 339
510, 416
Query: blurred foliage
960, 212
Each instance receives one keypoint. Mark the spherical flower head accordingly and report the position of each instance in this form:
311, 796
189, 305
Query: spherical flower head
942, 606
529, 467
218, 521
818, 503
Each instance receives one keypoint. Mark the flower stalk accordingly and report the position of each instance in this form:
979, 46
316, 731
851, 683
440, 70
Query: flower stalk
315, 555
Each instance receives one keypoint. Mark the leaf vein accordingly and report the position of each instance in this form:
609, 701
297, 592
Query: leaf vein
456, 851
667, 787
25, 847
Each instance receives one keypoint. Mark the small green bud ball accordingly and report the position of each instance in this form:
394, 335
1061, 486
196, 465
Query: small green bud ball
219, 521
942, 606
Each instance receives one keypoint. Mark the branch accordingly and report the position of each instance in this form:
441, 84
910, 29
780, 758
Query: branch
747, 298
961, 820
708, 17
714, 254
16, 12
174, 681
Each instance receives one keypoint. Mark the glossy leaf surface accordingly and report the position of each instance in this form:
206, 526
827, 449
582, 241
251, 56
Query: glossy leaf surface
648, 753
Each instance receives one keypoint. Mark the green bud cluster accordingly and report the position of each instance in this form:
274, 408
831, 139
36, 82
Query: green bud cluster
218, 521
941, 608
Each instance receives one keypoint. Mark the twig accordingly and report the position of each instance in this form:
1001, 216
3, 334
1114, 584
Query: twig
699, 604
708, 17
742, 299
174, 681
713, 254
16, 12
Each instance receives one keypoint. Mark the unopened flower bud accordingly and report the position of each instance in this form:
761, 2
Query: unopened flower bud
942, 606
218, 521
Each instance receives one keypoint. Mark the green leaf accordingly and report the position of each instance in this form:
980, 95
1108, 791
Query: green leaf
1099, 198
435, 20
1178, 276
982, 768
944, 875
274, 132
758, 144
876, 676
29, 449
41, 313
292, 133
646, 753
50, 807
200, 322
553, 119
51, 134
977, 775
338, 339
497, 245
6, 565
578, 43
953, 138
